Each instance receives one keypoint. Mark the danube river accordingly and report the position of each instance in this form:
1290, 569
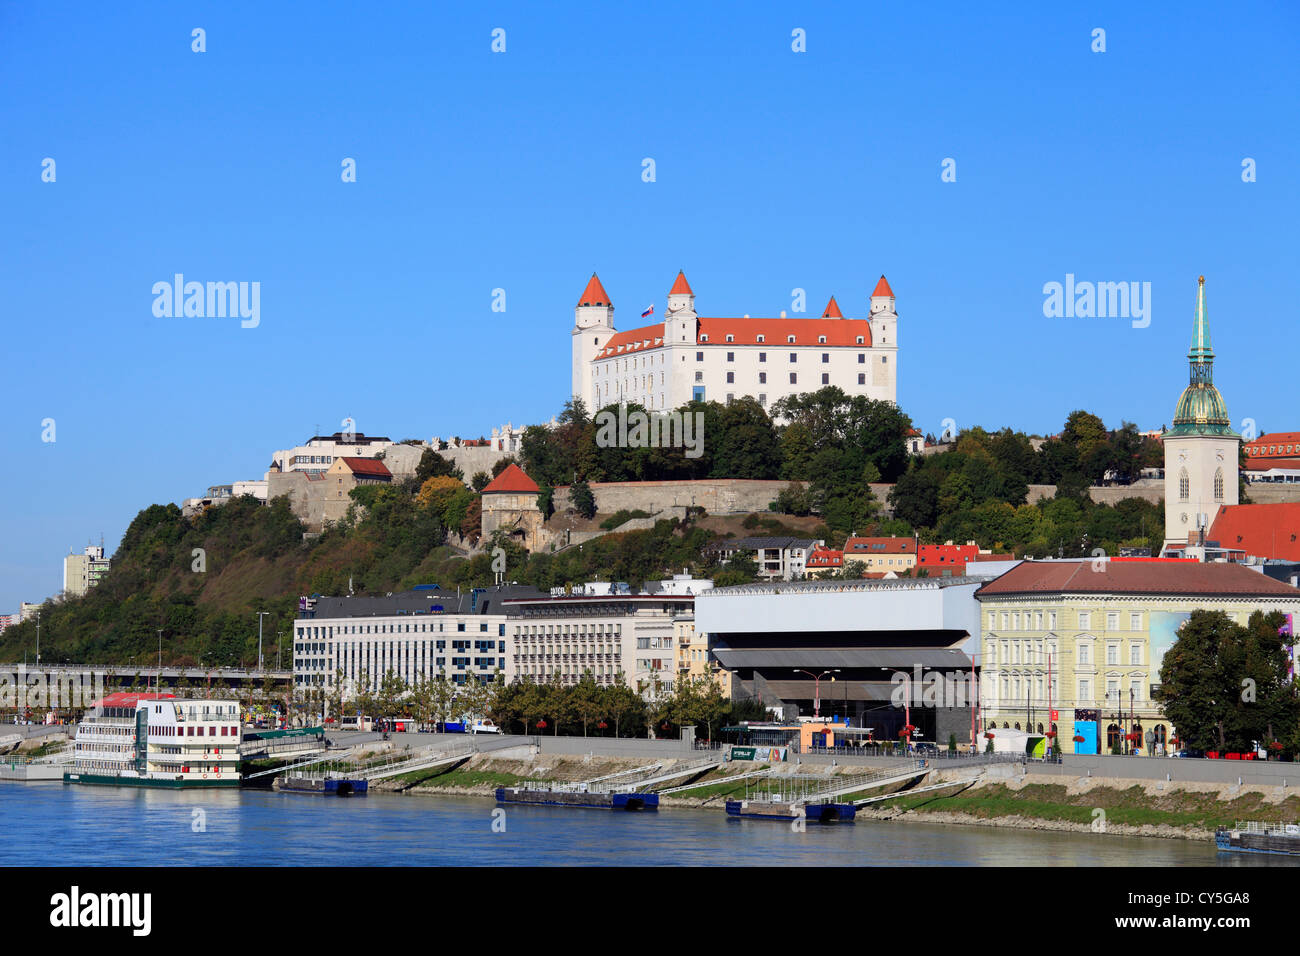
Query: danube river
54, 824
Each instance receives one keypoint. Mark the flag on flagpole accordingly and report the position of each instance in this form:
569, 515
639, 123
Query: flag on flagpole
649, 311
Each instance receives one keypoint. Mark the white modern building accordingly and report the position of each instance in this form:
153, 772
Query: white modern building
423, 632
603, 628
318, 452
689, 357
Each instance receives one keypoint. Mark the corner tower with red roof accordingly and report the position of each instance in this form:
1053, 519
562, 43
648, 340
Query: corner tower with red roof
692, 357
593, 326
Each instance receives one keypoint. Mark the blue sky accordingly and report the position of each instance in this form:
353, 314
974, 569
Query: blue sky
522, 171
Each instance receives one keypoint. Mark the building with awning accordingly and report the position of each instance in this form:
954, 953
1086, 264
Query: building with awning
884, 654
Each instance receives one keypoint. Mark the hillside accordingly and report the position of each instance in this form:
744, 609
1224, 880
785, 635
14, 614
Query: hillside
202, 580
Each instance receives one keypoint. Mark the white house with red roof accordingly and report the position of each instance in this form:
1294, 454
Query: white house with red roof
688, 356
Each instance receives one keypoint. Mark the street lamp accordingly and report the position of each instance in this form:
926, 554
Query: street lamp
817, 681
260, 615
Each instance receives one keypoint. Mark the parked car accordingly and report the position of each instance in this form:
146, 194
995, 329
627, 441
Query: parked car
484, 727
926, 748
1188, 752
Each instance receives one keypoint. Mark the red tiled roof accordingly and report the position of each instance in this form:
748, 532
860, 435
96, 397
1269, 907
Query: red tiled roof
633, 340
832, 310
825, 558
891, 546
128, 698
882, 288
1265, 531
1157, 577
949, 555
1267, 464
511, 479
594, 294
681, 286
372, 467
776, 332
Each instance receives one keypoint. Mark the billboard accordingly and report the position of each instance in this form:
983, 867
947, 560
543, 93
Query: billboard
1163, 633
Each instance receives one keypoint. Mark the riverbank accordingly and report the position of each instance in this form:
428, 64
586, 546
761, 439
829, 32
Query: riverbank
1188, 811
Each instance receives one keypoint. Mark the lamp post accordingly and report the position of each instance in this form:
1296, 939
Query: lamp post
260, 615
817, 682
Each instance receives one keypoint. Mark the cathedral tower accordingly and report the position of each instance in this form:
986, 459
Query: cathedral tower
1201, 450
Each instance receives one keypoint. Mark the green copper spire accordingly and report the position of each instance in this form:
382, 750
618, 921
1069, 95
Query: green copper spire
1201, 350
1201, 409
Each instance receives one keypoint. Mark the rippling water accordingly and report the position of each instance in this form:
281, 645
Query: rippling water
54, 824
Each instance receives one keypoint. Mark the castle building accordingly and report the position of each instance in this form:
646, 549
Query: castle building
1201, 450
688, 357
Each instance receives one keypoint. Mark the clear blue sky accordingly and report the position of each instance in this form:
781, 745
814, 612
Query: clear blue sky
522, 171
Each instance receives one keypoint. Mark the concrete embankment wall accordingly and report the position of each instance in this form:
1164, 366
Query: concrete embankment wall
1250, 772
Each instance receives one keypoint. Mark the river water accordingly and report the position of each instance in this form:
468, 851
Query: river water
55, 824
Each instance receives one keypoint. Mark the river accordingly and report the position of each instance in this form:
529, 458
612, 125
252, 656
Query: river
54, 824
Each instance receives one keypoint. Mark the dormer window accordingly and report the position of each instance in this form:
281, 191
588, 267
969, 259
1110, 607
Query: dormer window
731, 338
704, 338
761, 340
821, 340
790, 339
861, 340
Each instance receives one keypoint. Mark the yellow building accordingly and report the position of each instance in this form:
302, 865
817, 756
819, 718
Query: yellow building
693, 655
881, 554
1086, 639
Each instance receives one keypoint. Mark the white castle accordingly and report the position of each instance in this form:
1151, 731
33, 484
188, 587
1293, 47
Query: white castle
692, 357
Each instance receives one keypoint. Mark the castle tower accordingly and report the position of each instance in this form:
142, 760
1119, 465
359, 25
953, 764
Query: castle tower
884, 318
884, 339
593, 326
680, 319
1201, 450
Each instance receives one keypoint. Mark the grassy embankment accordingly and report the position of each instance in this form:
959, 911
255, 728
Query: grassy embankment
1132, 806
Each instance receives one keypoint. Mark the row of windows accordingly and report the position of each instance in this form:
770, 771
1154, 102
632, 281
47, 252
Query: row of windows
1013, 691
418, 627
789, 340
1185, 485
1012, 620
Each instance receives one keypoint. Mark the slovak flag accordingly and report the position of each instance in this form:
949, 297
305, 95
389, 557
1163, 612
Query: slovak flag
649, 311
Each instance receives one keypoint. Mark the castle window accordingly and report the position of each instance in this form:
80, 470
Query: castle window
704, 338
761, 340
762, 356
862, 358
731, 356
862, 378
821, 340
762, 378
731, 338
1218, 485
861, 340
826, 356
884, 359
794, 356
790, 339
794, 378
1184, 486
699, 356
762, 398
731, 378
826, 378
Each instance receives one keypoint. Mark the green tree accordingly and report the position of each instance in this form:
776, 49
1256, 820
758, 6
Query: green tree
433, 465
584, 502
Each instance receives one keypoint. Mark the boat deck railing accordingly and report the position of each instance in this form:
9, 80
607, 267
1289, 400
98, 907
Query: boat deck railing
1258, 826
